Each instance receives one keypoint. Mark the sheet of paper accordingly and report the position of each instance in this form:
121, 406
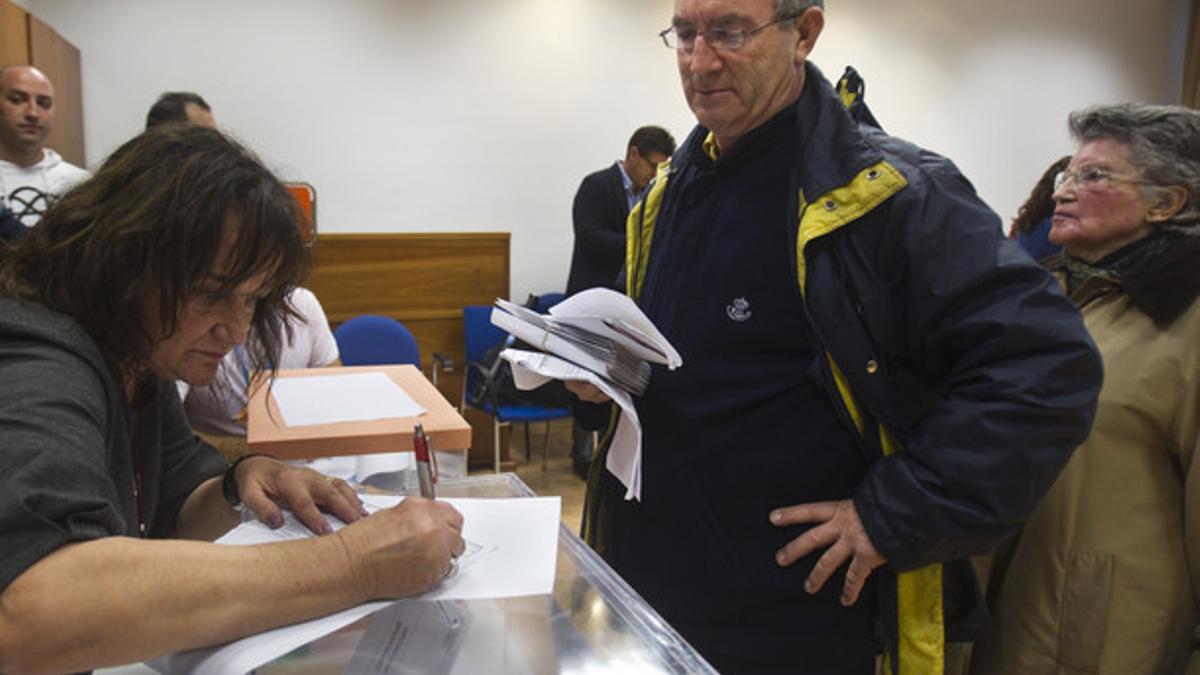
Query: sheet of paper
512, 550
357, 468
609, 304
355, 397
412, 636
533, 369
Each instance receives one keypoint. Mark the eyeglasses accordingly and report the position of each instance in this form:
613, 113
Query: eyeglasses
683, 38
1091, 178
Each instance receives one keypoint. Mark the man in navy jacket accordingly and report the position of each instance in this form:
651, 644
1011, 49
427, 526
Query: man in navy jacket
876, 384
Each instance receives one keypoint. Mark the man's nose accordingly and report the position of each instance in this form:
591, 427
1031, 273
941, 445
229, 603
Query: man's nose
704, 59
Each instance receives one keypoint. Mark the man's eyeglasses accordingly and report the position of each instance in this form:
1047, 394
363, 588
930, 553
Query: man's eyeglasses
1091, 178
683, 38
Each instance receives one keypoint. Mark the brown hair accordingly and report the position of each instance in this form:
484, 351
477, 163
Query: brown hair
1041, 200
148, 226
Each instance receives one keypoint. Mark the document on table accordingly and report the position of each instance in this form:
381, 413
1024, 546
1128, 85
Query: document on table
512, 550
358, 468
533, 369
324, 399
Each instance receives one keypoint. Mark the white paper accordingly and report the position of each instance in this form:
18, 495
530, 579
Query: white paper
608, 304
412, 637
324, 399
533, 369
357, 468
512, 551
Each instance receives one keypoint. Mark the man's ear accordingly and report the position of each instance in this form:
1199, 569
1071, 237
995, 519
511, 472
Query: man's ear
809, 26
1167, 204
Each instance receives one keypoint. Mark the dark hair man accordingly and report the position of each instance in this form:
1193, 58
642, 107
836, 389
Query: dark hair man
876, 383
150, 272
31, 174
180, 106
598, 214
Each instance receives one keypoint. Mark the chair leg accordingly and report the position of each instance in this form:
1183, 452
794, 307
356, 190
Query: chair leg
545, 445
528, 446
496, 442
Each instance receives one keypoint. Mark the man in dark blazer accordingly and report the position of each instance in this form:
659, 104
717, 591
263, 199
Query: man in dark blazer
603, 201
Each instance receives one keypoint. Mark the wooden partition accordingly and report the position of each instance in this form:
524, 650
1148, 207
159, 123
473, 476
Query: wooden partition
59, 60
14, 34
421, 279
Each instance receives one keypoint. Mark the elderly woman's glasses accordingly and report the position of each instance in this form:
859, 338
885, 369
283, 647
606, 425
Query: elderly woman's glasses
683, 38
1091, 178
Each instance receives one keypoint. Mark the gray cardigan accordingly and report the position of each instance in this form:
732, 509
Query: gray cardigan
68, 440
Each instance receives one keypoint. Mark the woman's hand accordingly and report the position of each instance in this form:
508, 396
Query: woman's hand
403, 550
266, 484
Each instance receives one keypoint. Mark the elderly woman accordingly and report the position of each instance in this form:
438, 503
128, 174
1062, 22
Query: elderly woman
151, 272
1105, 577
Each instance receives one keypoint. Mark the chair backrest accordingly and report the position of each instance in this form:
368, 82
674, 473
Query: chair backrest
480, 336
306, 198
547, 300
370, 340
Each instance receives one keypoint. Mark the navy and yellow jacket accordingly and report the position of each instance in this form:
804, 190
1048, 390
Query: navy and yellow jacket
966, 374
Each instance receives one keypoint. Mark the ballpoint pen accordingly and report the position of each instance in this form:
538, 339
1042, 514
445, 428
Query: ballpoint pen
425, 475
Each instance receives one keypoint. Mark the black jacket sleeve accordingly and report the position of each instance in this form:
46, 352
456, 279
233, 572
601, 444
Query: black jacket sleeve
994, 364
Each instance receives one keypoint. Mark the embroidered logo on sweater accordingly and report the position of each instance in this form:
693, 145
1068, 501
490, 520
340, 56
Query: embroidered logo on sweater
739, 310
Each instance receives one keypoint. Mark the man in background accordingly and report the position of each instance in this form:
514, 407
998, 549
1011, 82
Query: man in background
181, 106
30, 173
602, 203
218, 410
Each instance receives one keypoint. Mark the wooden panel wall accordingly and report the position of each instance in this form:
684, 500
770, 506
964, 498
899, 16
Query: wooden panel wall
14, 34
421, 279
59, 60
1191, 63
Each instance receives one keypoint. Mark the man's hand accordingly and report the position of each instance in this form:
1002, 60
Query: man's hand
586, 391
841, 530
403, 550
265, 484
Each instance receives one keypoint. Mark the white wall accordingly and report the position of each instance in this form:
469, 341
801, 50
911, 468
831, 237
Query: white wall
459, 115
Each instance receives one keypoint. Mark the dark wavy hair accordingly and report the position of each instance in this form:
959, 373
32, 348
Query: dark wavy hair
1041, 200
147, 229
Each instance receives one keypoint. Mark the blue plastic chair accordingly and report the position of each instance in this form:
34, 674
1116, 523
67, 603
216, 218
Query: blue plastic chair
370, 340
481, 336
547, 300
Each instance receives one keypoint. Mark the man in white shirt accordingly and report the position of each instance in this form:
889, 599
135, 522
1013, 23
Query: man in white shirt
30, 173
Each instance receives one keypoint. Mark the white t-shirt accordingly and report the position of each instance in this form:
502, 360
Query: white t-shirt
27, 190
217, 408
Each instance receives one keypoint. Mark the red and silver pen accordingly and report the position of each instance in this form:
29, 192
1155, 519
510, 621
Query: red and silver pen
425, 473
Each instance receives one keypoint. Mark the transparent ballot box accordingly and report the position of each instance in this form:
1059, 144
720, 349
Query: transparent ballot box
593, 622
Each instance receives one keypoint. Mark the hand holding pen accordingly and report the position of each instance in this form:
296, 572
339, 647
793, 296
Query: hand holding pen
427, 478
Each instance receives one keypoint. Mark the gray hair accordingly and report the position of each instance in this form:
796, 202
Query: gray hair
790, 9
1163, 143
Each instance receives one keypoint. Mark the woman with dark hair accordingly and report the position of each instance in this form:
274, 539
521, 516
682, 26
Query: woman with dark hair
150, 272
1105, 578
1031, 227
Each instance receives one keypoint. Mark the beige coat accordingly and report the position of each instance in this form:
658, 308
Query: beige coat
1104, 578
